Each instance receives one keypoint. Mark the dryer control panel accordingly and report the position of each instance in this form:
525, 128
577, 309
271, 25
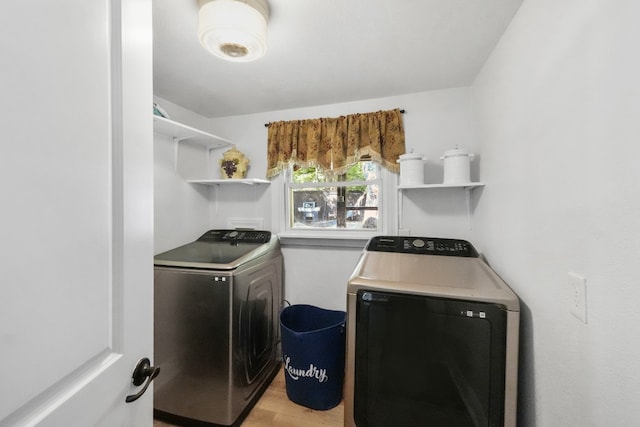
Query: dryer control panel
236, 235
422, 245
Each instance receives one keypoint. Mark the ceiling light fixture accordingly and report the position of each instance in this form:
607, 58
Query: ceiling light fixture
235, 30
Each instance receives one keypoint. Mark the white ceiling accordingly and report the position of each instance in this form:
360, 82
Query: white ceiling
328, 51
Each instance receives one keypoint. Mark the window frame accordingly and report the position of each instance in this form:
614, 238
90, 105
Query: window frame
281, 211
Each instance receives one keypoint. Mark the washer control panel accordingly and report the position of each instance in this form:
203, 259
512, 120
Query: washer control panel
422, 245
236, 235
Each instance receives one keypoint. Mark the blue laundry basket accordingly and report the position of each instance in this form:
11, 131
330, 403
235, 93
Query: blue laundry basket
313, 351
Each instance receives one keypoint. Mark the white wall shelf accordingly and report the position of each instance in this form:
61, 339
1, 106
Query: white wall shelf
468, 187
247, 181
180, 132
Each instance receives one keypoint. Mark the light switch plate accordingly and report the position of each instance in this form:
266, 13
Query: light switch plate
578, 296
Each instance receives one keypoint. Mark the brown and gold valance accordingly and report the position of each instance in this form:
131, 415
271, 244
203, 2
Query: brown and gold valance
336, 143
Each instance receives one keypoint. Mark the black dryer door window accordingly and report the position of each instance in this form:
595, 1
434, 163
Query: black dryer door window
428, 361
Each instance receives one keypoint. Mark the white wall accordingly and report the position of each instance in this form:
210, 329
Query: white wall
559, 111
434, 122
181, 212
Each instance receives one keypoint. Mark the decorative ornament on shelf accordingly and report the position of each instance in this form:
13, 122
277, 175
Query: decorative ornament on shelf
159, 111
233, 164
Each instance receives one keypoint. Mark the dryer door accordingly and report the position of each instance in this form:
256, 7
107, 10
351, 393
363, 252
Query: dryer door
258, 328
428, 361
257, 296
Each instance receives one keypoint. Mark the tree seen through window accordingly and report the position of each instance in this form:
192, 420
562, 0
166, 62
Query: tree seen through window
345, 201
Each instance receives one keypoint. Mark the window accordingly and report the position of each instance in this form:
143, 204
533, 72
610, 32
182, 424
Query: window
349, 201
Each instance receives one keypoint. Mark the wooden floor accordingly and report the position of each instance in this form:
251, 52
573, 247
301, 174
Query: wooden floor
274, 409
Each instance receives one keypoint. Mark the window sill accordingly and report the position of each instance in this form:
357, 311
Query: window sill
340, 240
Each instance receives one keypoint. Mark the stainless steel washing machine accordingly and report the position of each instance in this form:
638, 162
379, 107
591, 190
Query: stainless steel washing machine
432, 337
217, 302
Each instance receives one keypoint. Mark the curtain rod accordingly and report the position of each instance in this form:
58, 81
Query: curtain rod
267, 124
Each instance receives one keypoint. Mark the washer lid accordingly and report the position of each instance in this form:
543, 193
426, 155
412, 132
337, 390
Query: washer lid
218, 249
445, 268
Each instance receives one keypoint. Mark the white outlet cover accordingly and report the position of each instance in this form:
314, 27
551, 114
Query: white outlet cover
578, 299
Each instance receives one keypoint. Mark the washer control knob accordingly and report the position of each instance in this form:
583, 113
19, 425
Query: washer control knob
418, 243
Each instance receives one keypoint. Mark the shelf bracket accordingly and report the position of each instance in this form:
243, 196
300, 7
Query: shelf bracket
467, 191
400, 211
466, 187
209, 156
176, 150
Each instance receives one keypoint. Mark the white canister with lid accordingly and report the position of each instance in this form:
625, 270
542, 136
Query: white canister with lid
457, 164
411, 168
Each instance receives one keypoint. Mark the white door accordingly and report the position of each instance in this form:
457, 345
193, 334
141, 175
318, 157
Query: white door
76, 266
